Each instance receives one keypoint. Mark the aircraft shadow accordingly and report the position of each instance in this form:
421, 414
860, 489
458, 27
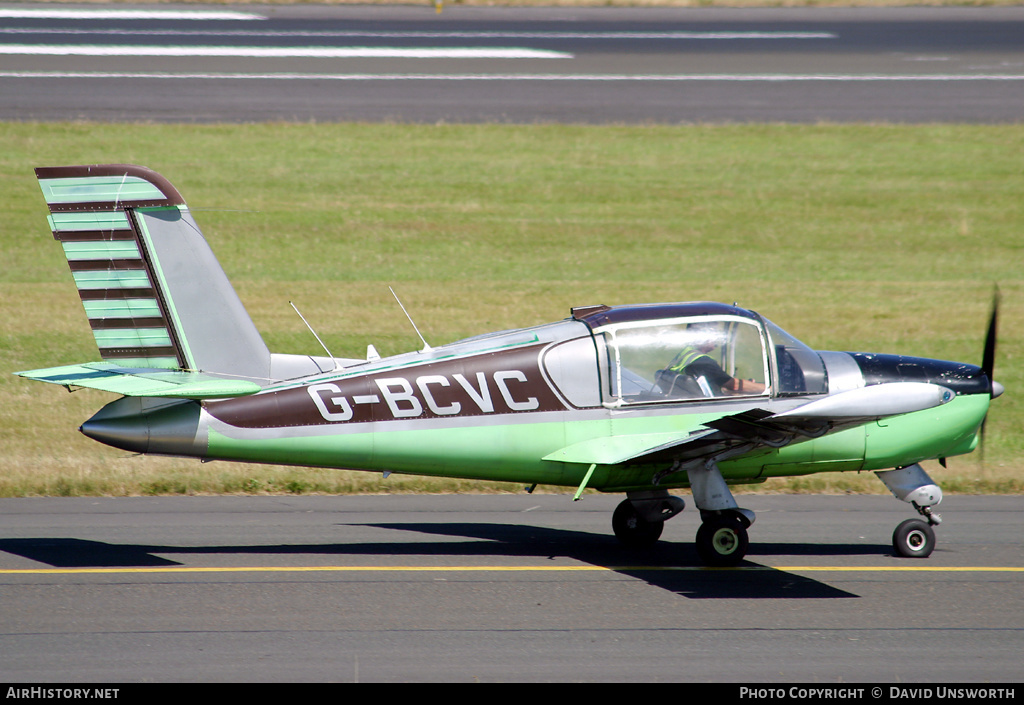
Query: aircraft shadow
80, 553
671, 566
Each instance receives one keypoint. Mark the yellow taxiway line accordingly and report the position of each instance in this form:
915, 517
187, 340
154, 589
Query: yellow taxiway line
506, 569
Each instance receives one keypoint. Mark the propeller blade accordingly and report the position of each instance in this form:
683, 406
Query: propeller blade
988, 363
988, 359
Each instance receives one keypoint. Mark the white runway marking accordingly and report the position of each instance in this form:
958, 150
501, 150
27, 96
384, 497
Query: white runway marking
781, 78
275, 34
284, 52
103, 14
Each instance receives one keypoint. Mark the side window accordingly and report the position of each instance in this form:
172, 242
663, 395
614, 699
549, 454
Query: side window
572, 368
693, 359
801, 370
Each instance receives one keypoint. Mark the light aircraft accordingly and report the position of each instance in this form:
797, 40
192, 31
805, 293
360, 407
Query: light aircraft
638, 399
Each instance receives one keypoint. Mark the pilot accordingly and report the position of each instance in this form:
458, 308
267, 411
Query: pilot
694, 360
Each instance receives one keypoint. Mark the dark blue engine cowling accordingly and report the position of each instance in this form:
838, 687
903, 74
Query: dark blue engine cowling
960, 377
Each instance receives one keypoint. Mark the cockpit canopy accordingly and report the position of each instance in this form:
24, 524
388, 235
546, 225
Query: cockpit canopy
678, 352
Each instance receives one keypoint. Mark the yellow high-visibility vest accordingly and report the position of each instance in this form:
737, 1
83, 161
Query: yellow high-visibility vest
686, 357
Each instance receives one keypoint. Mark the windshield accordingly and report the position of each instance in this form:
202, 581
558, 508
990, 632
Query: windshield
801, 370
697, 358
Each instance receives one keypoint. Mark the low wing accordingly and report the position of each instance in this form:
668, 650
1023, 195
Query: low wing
760, 428
143, 382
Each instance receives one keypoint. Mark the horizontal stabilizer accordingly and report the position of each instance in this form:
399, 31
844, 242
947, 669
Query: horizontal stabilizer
144, 382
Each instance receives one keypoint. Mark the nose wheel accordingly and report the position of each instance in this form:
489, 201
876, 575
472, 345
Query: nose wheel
913, 539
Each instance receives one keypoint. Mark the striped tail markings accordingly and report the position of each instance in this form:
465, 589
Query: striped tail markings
152, 289
91, 216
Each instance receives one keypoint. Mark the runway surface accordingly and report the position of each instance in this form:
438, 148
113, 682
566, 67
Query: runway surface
523, 65
499, 588
506, 588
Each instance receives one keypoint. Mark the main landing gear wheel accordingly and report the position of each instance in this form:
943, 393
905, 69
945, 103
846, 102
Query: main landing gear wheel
632, 529
722, 541
913, 539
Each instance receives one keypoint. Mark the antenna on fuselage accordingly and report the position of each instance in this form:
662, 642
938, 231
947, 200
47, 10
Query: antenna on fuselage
426, 346
333, 359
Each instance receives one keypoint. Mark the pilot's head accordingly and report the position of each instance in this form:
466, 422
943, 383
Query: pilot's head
705, 336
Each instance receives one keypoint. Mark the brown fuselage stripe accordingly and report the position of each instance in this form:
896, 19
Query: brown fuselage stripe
490, 383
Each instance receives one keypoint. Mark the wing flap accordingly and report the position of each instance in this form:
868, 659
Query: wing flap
614, 450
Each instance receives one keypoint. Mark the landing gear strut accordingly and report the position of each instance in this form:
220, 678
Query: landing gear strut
722, 538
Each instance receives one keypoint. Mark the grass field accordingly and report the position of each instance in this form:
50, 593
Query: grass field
872, 237
587, 3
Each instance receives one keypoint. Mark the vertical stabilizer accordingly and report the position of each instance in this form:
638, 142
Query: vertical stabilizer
153, 292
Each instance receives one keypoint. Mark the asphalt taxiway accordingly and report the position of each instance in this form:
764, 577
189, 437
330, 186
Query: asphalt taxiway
499, 588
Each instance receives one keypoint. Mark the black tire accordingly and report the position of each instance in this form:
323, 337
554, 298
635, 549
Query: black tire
633, 530
913, 539
722, 541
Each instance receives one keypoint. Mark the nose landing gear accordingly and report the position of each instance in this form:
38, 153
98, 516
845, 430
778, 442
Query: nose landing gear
914, 538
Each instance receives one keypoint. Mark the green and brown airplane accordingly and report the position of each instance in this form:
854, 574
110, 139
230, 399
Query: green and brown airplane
637, 399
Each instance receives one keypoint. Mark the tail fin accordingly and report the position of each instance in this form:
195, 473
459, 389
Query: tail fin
154, 293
